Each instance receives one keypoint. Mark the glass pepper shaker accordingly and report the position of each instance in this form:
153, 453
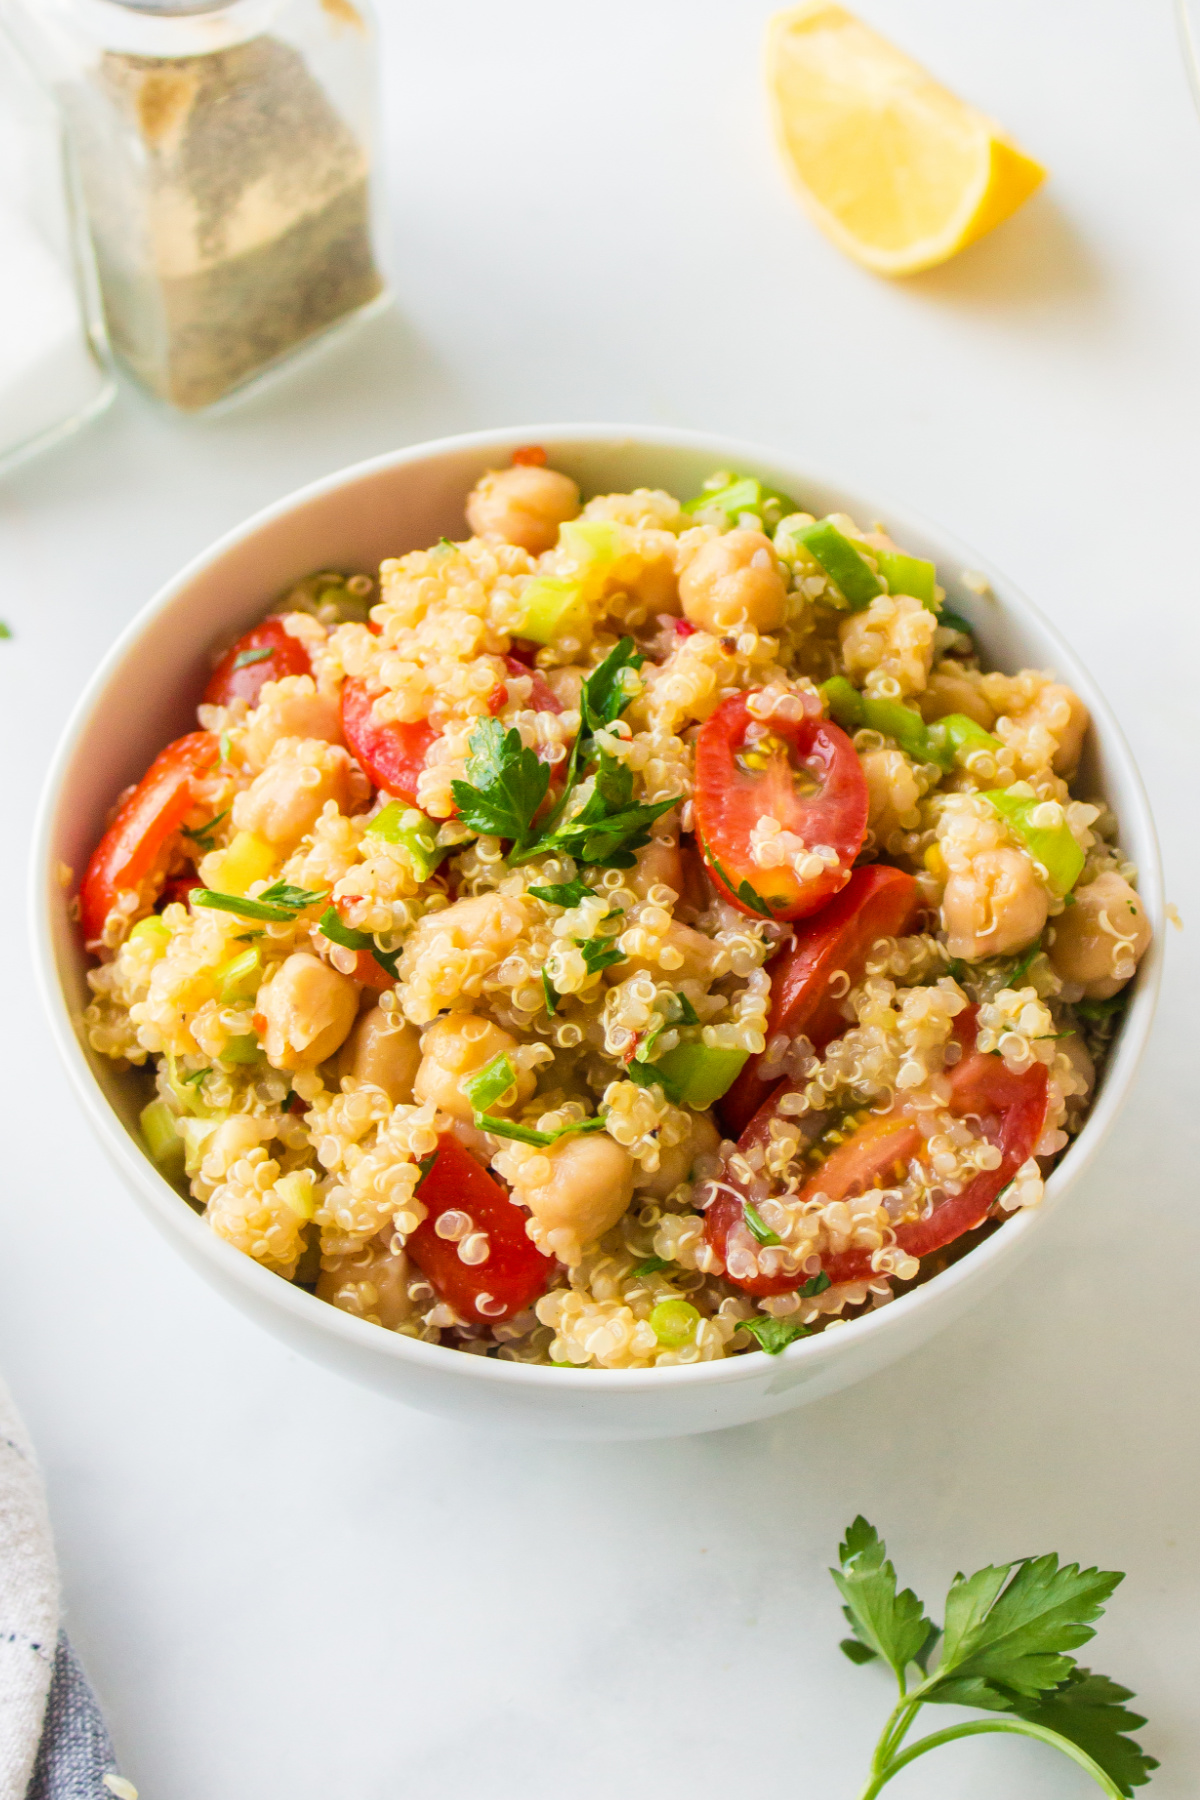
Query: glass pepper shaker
55, 370
228, 152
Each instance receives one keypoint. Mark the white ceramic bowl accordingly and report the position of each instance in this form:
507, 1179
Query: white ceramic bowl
144, 694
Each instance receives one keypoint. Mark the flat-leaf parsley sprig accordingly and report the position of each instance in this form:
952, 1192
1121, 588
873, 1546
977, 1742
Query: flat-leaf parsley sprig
1006, 1647
596, 820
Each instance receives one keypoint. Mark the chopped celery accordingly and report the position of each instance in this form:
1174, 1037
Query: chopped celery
162, 1136
413, 832
153, 931
910, 575
486, 1085
843, 562
1053, 846
845, 703
244, 1049
674, 1323
743, 494
247, 859
700, 1073
959, 737
555, 604
907, 727
238, 978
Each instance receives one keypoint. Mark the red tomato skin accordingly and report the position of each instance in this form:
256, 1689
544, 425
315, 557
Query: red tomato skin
287, 657
130, 853
876, 902
178, 888
515, 1272
728, 802
542, 697
1011, 1110
392, 755
532, 455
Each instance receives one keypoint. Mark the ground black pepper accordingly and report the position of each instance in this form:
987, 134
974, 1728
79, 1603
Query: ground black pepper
249, 228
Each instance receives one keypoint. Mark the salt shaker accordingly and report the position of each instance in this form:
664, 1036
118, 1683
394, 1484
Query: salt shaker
55, 370
229, 166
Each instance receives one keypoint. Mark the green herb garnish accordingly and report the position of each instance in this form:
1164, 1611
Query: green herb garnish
817, 1285
247, 657
280, 902
651, 1266
756, 1226
1006, 1648
202, 835
506, 783
645, 1075
485, 1086
1020, 969
598, 953
749, 897
1097, 1010
426, 1163
563, 893
526, 1134
330, 926
551, 996
608, 827
956, 622
774, 1335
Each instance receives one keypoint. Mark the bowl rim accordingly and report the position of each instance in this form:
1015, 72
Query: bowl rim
177, 1217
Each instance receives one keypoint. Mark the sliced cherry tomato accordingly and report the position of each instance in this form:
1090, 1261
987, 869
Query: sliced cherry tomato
1009, 1110
392, 755
805, 774
265, 653
532, 455
876, 902
134, 852
515, 1271
372, 974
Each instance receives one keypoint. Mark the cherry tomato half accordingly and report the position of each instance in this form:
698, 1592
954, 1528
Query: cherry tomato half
392, 755
805, 774
1009, 1110
133, 854
514, 1273
876, 902
266, 653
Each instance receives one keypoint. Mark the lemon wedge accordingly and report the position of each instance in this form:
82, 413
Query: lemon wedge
898, 171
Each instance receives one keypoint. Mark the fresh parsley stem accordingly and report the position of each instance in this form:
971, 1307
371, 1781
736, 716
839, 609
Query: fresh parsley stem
894, 1732
977, 1728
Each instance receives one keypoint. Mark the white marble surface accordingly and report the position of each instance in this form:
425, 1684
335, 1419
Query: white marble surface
285, 1587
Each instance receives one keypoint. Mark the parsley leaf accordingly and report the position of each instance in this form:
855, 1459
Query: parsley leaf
645, 1075
1096, 1010
247, 657
280, 902
526, 1134
757, 1226
687, 1012
551, 996
819, 1282
1090, 1711
203, 834
889, 1622
651, 1266
563, 893
330, 926
1013, 1626
426, 1163
604, 695
608, 827
506, 783
599, 953
774, 1335
749, 896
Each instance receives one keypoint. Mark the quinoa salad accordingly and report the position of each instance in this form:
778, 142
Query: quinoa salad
637, 933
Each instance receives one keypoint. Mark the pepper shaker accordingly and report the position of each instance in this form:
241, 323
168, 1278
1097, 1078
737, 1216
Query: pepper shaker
229, 167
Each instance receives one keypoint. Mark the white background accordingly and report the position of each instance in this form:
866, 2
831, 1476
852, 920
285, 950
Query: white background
285, 1587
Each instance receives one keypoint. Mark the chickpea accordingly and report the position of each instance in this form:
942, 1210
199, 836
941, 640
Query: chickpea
371, 1284
291, 708
951, 690
994, 906
308, 1010
285, 801
523, 505
660, 864
893, 794
1065, 717
1099, 941
455, 1047
387, 1058
491, 923
578, 1190
734, 581
675, 1161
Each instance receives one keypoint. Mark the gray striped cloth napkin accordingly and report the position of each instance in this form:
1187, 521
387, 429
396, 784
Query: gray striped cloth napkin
53, 1742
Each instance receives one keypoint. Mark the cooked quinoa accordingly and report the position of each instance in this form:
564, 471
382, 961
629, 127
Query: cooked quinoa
635, 934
